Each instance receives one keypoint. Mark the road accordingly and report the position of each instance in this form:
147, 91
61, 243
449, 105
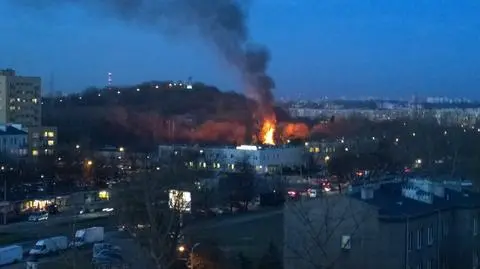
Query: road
53, 220
133, 252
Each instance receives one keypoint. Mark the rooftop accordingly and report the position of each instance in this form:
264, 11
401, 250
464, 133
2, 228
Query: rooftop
239, 147
11, 130
392, 204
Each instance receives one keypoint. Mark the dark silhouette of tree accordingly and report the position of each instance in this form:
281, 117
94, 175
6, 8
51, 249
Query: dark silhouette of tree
241, 185
152, 213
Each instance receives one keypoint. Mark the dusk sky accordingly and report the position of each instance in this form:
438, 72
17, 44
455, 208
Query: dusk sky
336, 48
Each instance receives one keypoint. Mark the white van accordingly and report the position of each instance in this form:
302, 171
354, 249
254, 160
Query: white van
11, 254
49, 245
88, 236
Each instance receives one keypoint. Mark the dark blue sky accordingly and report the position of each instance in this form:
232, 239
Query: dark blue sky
319, 47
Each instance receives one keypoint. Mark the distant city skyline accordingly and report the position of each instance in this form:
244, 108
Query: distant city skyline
319, 48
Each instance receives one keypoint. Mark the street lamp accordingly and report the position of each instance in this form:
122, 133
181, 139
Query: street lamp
89, 162
121, 149
77, 146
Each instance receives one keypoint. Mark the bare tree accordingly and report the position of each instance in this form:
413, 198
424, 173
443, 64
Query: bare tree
318, 232
151, 209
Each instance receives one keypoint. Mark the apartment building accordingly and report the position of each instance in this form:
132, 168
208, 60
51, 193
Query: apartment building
20, 99
416, 223
42, 140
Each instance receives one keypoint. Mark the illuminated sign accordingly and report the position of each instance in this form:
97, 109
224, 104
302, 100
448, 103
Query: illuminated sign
247, 147
180, 200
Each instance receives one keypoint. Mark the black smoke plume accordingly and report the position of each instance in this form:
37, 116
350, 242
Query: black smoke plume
221, 22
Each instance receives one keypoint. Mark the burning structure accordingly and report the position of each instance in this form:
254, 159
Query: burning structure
221, 23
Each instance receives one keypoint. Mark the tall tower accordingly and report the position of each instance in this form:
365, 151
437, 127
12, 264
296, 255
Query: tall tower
189, 85
109, 81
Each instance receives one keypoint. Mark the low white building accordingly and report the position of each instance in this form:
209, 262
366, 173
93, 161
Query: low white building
13, 140
263, 158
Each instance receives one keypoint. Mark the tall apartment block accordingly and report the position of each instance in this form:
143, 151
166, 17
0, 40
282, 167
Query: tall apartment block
20, 99
20, 104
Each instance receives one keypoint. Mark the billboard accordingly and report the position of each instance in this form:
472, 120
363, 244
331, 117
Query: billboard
180, 200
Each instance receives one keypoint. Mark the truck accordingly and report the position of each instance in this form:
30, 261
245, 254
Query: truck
49, 245
88, 236
10, 254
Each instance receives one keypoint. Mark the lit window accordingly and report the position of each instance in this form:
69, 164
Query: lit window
35, 152
34, 100
51, 134
45, 134
51, 142
104, 195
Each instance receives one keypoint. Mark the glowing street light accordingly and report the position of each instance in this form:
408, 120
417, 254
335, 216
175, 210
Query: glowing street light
121, 149
77, 146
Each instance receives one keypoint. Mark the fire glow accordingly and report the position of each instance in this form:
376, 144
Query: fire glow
267, 133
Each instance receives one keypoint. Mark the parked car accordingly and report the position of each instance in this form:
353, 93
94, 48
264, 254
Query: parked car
38, 216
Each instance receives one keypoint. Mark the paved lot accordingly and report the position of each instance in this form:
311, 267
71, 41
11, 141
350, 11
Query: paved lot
249, 233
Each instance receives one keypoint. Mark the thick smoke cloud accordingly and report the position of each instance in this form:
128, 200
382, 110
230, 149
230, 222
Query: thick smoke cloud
221, 22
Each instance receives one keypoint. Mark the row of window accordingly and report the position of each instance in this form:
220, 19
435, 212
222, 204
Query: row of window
19, 100
49, 134
13, 140
35, 152
421, 240
27, 84
218, 165
325, 150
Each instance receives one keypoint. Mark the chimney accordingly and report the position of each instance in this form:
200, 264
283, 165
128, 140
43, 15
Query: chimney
367, 193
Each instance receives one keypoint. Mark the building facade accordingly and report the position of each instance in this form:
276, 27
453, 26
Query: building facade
42, 140
402, 224
13, 140
20, 99
263, 159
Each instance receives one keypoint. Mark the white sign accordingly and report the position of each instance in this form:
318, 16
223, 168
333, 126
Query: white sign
180, 200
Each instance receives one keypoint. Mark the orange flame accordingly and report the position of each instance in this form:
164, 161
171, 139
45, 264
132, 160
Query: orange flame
267, 134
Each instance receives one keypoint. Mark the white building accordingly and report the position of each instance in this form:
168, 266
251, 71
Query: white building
263, 159
13, 140
20, 99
